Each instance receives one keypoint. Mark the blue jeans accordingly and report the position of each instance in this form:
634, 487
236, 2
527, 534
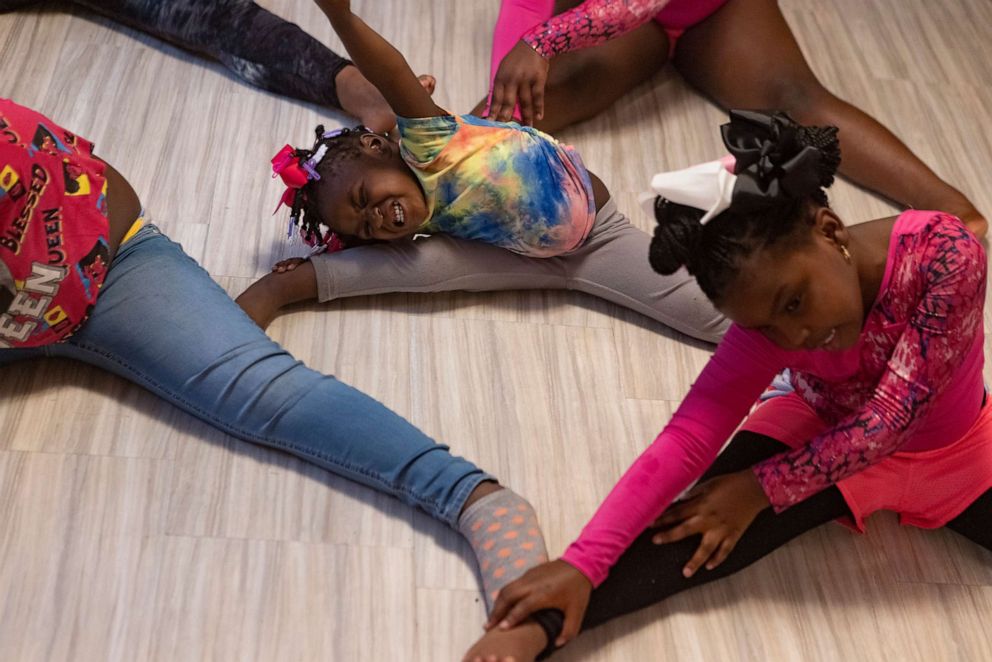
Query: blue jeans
164, 324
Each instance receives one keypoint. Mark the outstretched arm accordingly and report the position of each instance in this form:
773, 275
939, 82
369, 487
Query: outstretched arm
380, 62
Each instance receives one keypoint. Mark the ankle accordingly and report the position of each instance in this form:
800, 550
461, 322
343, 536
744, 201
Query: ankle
485, 488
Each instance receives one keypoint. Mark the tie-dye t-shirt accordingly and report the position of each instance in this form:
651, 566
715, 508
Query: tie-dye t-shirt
500, 183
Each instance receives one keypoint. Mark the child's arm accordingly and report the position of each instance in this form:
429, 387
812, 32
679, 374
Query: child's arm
433, 264
732, 380
291, 281
377, 59
522, 74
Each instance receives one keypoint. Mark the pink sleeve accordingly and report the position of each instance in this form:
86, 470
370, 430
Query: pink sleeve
946, 324
734, 377
591, 23
515, 18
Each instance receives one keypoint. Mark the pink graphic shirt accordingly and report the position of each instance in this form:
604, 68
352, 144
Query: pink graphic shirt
912, 382
54, 254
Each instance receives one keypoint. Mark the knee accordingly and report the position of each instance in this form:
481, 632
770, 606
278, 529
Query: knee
801, 96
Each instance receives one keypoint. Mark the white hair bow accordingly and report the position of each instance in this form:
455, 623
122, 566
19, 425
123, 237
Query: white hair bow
707, 186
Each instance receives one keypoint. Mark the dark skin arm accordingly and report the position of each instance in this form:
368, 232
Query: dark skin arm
720, 510
290, 281
380, 62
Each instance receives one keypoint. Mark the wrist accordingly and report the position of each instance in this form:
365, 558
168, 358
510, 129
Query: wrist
336, 15
756, 497
534, 45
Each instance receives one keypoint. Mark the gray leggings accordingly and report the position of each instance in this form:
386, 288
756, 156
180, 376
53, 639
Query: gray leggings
612, 264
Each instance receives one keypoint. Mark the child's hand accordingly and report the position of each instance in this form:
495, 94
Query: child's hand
720, 509
520, 79
282, 266
553, 585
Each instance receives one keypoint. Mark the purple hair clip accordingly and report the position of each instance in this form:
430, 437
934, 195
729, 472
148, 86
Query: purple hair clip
310, 165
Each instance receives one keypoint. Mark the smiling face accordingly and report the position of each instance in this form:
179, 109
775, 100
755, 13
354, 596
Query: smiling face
374, 196
801, 295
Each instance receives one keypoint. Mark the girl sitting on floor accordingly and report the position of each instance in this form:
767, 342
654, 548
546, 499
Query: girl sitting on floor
881, 327
507, 207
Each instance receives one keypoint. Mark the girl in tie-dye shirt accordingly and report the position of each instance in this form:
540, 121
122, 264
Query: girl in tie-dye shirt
505, 207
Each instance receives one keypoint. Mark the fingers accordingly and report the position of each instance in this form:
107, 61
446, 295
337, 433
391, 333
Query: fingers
722, 553
687, 528
537, 99
676, 513
507, 102
526, 106
496, 102
287, 265
520, 612
706, 548
505, 600
570, 628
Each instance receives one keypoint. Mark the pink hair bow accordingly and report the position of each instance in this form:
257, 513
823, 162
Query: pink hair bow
286, 165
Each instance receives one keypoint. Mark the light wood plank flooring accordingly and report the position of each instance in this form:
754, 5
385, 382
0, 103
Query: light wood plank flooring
130, 531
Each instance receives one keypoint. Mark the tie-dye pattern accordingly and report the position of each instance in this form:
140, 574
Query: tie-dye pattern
912, 382
499, 183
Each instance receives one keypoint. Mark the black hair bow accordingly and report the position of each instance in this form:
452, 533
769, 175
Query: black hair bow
772, 161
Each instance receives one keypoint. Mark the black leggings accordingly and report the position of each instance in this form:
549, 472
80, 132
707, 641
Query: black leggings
649, 573
254, 43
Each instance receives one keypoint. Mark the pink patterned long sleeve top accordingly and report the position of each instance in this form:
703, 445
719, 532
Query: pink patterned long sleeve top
589, 24
912, 382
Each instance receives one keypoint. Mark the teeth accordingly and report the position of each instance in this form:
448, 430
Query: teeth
398, 216
833, 332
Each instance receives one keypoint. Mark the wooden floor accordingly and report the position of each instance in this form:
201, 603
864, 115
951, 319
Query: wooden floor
131, 531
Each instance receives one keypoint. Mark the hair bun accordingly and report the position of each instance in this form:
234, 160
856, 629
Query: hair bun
676, 236
779, 158
824, 140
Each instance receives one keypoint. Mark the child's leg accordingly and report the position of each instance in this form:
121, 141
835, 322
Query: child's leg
11, 5
975, 523
613, 265
647, 573
583, 83
259, 47
162, 323
745, 56
434, 264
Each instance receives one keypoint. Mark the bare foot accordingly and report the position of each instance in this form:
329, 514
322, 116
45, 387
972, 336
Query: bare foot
428, 82
521, 644
360, 98
976, 223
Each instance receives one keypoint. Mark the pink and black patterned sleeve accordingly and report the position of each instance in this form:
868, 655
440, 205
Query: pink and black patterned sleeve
591, 23
940, 331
